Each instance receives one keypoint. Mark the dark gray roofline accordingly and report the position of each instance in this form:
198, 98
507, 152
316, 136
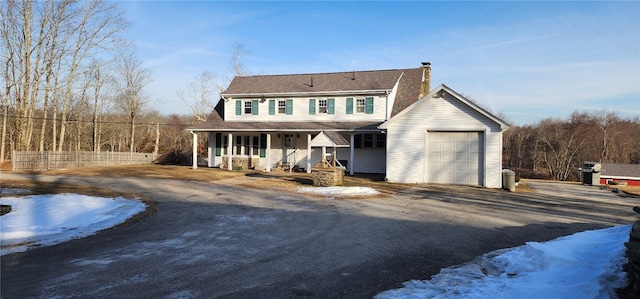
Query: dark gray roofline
314, 93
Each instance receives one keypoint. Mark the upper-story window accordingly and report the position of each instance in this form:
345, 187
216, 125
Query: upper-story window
281, 106
322, 106
360, 104
247, 107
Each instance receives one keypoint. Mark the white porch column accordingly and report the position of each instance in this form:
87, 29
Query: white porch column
309, 153
229, 151
194, 156
268, 153
351, 155
324, 153
211, 145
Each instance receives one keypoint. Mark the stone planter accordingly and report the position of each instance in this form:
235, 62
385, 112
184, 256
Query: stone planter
239, 163
326, 177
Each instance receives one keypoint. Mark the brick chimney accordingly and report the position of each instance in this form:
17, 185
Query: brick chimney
425, 84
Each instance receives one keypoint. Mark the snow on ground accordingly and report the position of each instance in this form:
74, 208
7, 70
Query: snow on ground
42, 220
583, 265
339, 191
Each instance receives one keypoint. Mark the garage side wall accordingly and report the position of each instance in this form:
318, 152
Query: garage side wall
407, 139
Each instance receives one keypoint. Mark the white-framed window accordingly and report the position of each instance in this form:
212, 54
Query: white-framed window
225, 144
244, 145
381, 140
282, 107
237, 148
247, 107
369, 140
360, 105
255, 145
322, 106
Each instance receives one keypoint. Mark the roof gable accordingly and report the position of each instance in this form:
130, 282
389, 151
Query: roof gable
443, 88
329, 139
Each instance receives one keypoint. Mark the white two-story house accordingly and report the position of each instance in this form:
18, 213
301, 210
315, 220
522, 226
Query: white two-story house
383, 121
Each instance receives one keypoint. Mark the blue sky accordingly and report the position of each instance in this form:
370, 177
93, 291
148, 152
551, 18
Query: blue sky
528, 60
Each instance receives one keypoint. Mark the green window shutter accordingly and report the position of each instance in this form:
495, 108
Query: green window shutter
369, 105
263, 145
349, 105
218, 144
331, 106
254, 107
289, 107
272, 107
238, 107
312, 106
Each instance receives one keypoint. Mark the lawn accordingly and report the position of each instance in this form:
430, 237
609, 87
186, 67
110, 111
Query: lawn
284, 181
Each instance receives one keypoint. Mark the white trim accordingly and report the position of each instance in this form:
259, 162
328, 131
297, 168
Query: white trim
434, 93
309, 153
425, 150
351, 154
268, 153
211, 145
483, 163
230, 151
619, 177
194, 155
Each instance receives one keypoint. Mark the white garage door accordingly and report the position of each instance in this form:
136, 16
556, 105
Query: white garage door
455, 157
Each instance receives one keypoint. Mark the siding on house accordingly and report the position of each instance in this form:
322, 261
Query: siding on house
301, 108
393, 102
407, 138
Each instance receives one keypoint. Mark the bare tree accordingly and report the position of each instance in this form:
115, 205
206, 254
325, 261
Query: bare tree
203, 92
98, 26
47, 43
201, 95
239, 53
131, 97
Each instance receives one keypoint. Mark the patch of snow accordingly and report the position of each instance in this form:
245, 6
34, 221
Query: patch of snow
584, 265
339, 191
42, 220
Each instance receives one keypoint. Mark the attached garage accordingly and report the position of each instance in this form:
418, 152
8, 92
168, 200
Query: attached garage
444, 138
455, 157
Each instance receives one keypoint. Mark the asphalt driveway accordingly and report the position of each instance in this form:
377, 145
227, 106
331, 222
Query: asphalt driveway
216, 240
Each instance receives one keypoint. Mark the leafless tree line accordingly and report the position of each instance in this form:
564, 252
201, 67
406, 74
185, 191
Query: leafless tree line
555, 148
70, 80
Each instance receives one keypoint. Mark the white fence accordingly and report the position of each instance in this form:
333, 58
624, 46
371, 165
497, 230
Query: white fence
44, 161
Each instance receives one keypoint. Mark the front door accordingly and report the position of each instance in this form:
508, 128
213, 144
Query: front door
289, 150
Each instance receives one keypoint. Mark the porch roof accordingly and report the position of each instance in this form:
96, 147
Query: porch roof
298, 126
329, 138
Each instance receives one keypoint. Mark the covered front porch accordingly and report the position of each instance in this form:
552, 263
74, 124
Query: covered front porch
290, 150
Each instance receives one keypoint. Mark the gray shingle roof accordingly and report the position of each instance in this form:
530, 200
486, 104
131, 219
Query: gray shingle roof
314, 83
626, 170
336, 138
268, 126
329, 83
